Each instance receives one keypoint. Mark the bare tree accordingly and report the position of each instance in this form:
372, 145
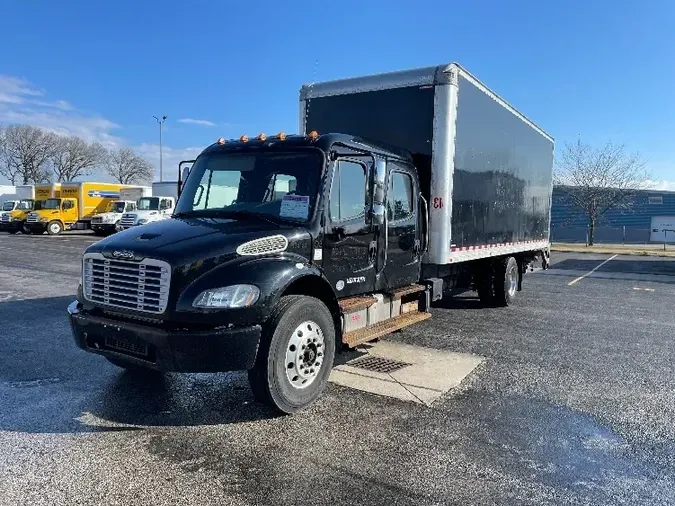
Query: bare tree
127, 167
600, 179
25, 154
73, 157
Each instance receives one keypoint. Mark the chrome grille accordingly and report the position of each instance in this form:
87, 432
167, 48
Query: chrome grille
5, 217
97, 220
141, 286
33, 217
128, 220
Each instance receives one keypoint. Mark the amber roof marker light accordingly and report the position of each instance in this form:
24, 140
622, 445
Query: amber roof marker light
221, 141
313, 135
243, 138
281, 136
262, 137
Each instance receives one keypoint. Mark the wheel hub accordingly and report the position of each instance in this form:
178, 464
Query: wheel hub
304, 354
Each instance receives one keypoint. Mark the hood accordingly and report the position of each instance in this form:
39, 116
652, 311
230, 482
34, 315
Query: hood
183, 241
107, 215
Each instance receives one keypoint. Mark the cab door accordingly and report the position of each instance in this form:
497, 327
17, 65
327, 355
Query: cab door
404, 241
349, 248
69, 212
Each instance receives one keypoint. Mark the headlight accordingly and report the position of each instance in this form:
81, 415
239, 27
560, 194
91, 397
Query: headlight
228, 297
142, 222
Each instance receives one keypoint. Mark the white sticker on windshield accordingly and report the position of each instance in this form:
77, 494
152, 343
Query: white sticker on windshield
295, 206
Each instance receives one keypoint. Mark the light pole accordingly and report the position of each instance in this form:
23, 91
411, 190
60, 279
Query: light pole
160, 121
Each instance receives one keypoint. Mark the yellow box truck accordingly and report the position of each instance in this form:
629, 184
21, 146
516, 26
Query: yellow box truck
13, 218
74, 208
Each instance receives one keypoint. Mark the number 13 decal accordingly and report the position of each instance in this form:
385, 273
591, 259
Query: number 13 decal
438, 203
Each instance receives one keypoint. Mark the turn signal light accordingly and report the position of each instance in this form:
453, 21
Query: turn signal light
313, 135
262, 137
281, 136
244, 138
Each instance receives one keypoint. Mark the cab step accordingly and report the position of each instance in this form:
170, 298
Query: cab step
365, 334
405, 290
356, 303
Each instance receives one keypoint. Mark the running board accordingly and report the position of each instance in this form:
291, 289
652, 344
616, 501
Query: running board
365, 334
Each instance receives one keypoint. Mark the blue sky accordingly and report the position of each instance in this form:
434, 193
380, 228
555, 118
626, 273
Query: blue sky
599, 70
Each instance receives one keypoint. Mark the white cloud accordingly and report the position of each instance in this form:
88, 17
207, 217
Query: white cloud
24, 103
661, 185
200, 122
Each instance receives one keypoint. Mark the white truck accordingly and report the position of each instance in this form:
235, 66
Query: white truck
109, 222
158, 207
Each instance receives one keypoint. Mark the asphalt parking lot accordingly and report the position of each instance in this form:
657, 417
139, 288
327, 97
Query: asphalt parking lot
574, 403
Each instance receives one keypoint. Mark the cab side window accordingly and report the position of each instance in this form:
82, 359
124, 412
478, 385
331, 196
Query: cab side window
348, 191
399, 196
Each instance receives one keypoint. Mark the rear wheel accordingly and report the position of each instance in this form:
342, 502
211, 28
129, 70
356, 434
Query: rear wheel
12, 231
54, 227
296, 354
506, 281
497, 282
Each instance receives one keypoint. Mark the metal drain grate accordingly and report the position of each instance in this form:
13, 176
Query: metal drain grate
378, 364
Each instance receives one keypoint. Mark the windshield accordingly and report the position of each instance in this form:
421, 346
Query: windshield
8, 206
116, 207
148, 204
26, 205
280, 184
51, 204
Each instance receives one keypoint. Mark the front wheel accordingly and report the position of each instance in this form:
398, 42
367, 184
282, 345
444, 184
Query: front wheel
54, 228
296, 354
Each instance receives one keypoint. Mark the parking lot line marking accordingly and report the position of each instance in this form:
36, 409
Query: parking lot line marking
643, 289
592, 270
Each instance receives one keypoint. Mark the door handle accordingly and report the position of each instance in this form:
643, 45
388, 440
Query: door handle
372, 251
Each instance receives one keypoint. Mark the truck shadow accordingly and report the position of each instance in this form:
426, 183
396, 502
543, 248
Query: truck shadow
47, 384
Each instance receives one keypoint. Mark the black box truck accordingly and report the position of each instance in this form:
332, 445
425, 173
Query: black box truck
283, 250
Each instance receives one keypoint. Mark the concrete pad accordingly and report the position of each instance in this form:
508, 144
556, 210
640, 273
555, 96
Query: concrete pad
431, 373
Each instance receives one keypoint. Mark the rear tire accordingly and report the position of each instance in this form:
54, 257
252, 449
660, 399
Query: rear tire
12, 231
295, 356
505, 281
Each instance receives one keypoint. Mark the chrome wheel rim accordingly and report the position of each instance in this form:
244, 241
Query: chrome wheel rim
54, 228
304, 354
512, 282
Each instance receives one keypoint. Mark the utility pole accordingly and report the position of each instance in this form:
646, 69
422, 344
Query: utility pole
160, 121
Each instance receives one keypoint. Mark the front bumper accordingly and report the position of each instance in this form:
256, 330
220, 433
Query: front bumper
103, 227
12, 225
217, 350
36, 226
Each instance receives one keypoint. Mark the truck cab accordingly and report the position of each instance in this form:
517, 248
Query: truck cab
281, 233
148, 210
110, 221
14, 220
51, 216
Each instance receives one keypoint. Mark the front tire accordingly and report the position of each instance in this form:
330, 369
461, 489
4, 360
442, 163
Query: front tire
54, 227
296, 354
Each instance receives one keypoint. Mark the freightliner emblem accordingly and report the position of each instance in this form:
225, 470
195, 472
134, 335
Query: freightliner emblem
123, 254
